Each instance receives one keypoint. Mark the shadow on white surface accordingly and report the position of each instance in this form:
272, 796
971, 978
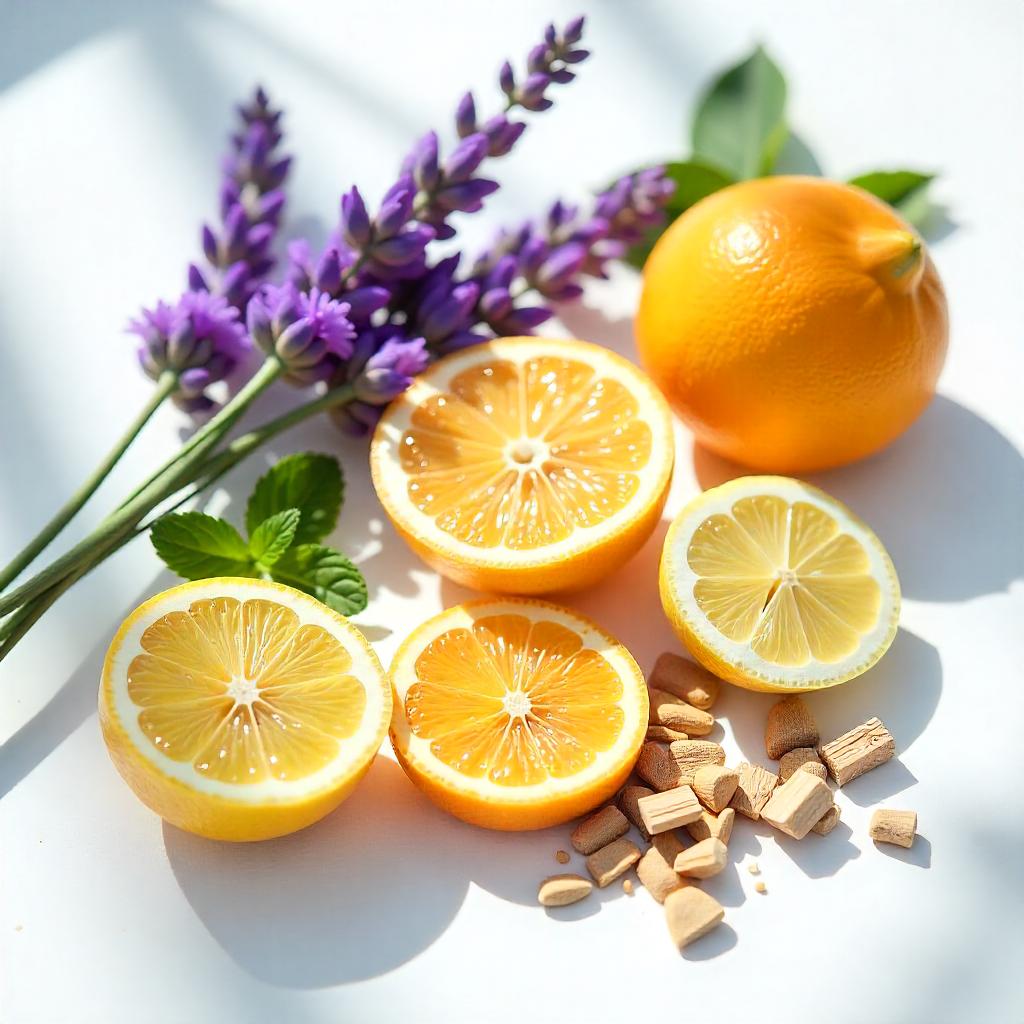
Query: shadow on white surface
919, 855
943, 498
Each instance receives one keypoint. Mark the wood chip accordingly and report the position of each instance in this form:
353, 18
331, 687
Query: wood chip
674, 712
754, 868
561, 856
816, 768
665, 767
896, 827
599, 829
627, 887
760, 887
612, 860
685, 679
668, 845
703, 860
792, 760
561, 890
712, 826
628, 800
670, 809
827, 821
753, 789
796, 806
858, 751
657, 875
690, 913
790, 725
714, 785
663, 734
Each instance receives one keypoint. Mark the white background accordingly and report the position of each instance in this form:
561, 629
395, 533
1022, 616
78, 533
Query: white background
113, 118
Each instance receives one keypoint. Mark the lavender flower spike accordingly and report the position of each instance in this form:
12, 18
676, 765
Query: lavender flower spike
251, 200
199, 338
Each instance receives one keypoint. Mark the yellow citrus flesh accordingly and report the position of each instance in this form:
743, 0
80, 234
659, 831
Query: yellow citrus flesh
525, 465
774, 585
240, 709
516, 714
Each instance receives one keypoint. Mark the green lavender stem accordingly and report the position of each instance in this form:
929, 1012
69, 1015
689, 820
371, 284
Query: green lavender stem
73, 505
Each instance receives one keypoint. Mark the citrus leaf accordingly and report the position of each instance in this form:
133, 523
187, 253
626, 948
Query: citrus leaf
309, 482
740, 123
325, 574
274, 536
197, 546
893, 186
694, 180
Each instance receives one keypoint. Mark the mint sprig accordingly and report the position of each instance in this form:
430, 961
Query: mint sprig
738, 132
294, 505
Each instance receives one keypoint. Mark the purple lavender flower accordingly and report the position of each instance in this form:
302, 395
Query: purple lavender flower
199, 339
251, 200
308, 331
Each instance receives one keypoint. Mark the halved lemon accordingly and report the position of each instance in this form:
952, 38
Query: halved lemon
516, 714
525, 465
774, 585
241, 709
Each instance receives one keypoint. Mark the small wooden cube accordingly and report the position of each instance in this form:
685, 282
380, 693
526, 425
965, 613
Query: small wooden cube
703, 860
663, 734
690, 913
666, 767
714, 785
753, 789
858, 751
561, 890
896, 827
790, 725
797, 806
670, 809
685, 679
816, 768
657, 874
599, 829
794, 759
628, 801
712, 826
666, 709
827, 821
606, 864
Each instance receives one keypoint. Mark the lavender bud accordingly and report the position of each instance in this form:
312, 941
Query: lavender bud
257, 319
537, 59
560, 267
502, 134
423, 160
328, 272
523, 321
403, 248
364, 302
466, 198
465, 116
394, 213
573, 31
495, 304
531, 95
575, 56
236, 224
196, 281
507, 79
355, 221
466, 158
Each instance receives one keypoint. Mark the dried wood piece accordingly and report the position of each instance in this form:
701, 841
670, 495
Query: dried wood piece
561, 890
790, 725
710, 826
690, 913
628, 800
627, 887
760, 887
827, 821
792, 760
669, 809
668, 845
816, 768
674, 712
561, 856
753, 790
665, 767
684, 678
663, 734
858, 751
703, 860
796, 806
714, 785
612, 860
657, 874
599, 829
897, 827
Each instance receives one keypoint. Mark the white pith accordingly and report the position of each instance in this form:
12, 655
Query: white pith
391, 480
681, 580
352, 752
416, 749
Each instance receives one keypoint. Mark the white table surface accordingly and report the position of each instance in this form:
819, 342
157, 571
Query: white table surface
113, 117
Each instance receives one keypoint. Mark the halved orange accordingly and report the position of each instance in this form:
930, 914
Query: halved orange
516, 714
525, 465
774, 585
241, 709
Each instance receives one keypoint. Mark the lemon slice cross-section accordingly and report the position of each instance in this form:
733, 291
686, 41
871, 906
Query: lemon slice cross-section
241, 709
774, 585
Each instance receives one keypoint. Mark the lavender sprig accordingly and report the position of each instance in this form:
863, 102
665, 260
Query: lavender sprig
251, 200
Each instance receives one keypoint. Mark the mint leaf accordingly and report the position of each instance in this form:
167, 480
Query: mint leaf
325, 574
197, 546
274, 536
894, 187
308, 482
740, 123
694, 180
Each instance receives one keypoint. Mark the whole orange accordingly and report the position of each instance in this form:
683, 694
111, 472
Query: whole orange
794, 323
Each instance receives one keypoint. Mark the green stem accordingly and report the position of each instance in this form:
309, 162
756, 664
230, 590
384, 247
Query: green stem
161, 486
165, 385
